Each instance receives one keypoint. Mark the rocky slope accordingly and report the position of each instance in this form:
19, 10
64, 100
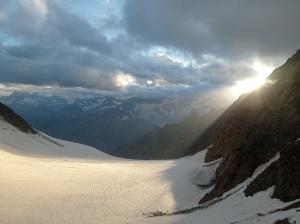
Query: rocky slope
11, 117
253, 130
171, 141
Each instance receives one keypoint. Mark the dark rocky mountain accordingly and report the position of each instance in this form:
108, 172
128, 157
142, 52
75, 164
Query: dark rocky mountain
11, 117
171, 141
252, 131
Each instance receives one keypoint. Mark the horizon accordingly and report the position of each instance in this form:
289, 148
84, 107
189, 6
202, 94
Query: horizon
150, 111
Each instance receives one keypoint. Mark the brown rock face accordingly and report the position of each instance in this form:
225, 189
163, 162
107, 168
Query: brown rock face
283, 174
253, 130
11, 117
283, 221
287, 186
265, 180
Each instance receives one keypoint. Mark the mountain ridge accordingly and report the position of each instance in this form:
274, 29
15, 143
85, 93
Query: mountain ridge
251, 131
170, 141
103, 121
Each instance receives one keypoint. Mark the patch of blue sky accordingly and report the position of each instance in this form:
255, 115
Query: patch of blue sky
101, 14
172, 55
9, 40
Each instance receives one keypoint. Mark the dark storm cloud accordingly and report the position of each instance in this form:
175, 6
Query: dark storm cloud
77, 31
55, 48
204, 43
218, 27
56, 26
28, 52
53, 73
229, 73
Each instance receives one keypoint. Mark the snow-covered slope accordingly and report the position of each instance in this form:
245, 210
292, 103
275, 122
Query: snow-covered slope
56, 181
41, 145
45, 180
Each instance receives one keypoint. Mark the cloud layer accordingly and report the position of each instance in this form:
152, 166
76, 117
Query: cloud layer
144, 44
227, 28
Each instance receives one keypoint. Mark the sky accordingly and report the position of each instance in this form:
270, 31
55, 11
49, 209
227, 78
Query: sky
144, 47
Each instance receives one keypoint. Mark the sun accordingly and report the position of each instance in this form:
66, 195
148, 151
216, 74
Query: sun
249, 85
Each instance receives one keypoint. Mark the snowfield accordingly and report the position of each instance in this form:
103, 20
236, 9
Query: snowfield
44, 180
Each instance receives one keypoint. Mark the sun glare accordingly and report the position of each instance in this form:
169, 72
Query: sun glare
124, 80
248, 85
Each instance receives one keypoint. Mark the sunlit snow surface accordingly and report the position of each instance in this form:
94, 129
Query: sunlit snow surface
43, 182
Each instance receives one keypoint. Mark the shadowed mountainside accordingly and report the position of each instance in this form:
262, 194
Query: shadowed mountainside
253, 130
172, 140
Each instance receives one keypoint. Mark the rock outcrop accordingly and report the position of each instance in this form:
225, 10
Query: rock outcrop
283, 174
256, 127
11, 117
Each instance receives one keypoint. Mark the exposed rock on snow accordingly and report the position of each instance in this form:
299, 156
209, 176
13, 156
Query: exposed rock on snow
8, 115
284, 174
256, 127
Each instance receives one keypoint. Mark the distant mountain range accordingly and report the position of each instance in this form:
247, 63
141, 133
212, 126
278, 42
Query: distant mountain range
170, 141
104, 122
